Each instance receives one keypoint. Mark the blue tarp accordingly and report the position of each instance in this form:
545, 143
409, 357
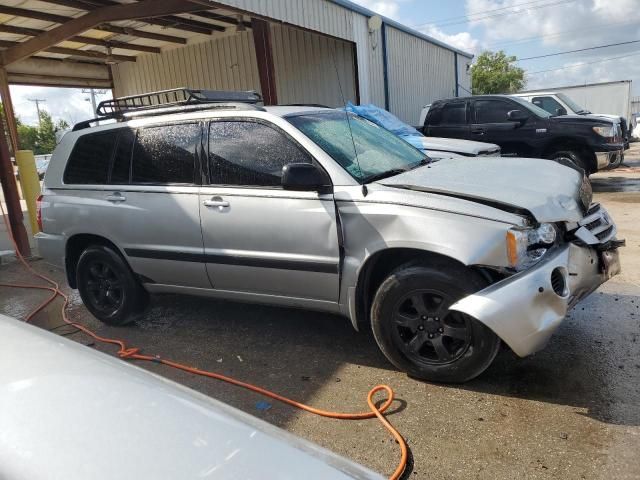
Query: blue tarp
388, 121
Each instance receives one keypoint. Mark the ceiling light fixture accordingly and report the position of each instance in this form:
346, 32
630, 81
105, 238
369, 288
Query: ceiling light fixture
110, 59
240, 26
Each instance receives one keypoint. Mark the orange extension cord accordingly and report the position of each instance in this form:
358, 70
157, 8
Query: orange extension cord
134, 354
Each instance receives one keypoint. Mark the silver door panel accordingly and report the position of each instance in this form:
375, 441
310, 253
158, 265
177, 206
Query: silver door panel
158, 228
270, 241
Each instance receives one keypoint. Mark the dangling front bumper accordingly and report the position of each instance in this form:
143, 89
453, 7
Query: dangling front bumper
525, 309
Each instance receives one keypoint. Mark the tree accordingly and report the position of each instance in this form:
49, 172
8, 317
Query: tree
41, 139
495, 72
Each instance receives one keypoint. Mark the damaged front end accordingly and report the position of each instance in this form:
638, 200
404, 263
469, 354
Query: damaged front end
525, 309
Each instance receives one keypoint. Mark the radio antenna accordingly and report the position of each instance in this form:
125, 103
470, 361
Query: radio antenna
344, 102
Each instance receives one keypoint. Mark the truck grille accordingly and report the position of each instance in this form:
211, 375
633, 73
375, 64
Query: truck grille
596, 226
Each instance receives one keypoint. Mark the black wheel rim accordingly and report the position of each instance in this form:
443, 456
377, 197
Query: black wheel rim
105, 287
426, 331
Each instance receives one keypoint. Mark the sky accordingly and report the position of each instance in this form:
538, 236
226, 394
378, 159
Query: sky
523, 28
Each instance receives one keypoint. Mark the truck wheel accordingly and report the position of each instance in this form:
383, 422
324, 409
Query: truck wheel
418, 333
108, 287
571, 156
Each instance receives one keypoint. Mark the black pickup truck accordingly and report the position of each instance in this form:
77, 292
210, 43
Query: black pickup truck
525, 130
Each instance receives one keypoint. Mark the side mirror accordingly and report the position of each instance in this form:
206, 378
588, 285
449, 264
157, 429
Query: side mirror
517, 116
303, 176
561, 111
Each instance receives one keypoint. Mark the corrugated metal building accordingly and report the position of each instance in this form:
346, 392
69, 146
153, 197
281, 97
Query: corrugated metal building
296, 51
325, 52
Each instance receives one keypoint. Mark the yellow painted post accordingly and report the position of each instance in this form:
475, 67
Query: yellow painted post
29, 183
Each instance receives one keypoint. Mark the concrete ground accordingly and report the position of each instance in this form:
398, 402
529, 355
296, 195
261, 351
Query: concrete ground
572, 411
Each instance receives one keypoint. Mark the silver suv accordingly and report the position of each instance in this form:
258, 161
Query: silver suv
208, 193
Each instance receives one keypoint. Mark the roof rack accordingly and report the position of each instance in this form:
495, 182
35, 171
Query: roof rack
173, 97
176, 100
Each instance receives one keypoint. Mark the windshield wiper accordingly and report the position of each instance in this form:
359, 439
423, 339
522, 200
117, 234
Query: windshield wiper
385, 174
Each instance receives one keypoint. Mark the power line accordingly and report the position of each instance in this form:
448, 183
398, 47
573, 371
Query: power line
578, 50
589, 28
500, 14
458, 17
582, 64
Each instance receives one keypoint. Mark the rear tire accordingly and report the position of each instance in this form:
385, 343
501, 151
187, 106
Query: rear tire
417, 332
108, 287
573, 156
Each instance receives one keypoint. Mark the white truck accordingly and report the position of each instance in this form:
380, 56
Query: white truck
614, 98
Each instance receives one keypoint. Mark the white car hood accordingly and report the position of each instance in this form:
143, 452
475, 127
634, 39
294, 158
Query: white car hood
465, 147
548, 190
68, 411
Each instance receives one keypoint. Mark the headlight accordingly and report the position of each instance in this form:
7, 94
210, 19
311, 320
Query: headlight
526, 247
605, 131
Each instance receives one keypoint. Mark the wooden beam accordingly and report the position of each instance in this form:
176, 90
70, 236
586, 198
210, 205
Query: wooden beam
85, 74
125, 11
7, 177
32, 32
74, 52
264, 56
63, 82
132, 32
169, 21
220, 18
9, 112
49, 17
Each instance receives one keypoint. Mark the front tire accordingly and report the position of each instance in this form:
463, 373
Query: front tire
417, 332
108, 287
572, 156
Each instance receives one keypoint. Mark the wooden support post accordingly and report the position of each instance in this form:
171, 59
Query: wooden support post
9, 113
11, 197
264, 56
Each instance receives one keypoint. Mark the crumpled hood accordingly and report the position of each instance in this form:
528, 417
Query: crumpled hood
548, 190
463, 147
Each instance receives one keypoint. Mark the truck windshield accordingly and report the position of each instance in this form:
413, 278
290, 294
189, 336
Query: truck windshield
365, 150
572, 105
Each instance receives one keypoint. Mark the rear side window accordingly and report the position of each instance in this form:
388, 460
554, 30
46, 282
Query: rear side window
250, 154
454, 114
165, 154
447, 114
493, 111
90, 159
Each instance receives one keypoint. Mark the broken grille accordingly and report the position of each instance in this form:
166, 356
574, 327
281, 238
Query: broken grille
596, 227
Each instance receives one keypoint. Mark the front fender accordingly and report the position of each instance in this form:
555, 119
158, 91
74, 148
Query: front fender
370, 228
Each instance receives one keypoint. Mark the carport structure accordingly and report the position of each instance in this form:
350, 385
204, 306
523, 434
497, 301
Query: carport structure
292, 51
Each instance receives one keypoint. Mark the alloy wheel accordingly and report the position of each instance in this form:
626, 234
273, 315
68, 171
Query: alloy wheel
426, 331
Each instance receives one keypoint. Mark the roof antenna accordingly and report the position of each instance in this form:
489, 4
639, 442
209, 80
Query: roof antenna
365, 191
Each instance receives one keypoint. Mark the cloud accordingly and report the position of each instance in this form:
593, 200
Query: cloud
463, 41
386, 8
560, 27
570, 24
68, 104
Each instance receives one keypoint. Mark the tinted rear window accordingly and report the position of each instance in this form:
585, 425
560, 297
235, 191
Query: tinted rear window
165, 154
90, 159
454, 114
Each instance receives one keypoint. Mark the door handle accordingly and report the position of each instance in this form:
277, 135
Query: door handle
116, 198
216, 202
478, 131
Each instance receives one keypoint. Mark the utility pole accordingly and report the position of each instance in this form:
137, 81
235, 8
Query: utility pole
93, 92
38, 101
